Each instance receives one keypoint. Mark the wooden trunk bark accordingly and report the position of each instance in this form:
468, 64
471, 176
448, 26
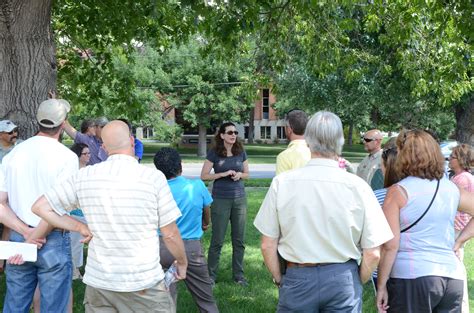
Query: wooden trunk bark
27, 61
465, 121
202, 142
350, 133
251, 126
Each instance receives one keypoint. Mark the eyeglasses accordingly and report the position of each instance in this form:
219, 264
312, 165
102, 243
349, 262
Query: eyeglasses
368, 139
230, 132
85, 153
13, 131
386, 152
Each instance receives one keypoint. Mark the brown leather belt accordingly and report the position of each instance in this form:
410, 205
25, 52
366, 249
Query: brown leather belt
64, 231
292, 264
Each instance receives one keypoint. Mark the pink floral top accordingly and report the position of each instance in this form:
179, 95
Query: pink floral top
465, 181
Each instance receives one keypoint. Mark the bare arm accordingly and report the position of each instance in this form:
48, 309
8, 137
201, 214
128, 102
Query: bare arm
394, 201
71, 131
205, 218
43, 209
9, 218
269, 248
174, 243
206, 172
370, 260
466, 204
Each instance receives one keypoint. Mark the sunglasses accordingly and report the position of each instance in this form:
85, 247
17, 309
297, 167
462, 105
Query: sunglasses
230, 132
386, 152
368, 139
13, 131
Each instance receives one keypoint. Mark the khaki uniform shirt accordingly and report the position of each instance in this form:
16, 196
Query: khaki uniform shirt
322, 214
369, 165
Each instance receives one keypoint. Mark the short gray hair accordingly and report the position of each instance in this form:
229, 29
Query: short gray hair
324, 134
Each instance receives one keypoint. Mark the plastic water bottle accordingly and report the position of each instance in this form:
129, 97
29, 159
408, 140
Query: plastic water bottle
170, 275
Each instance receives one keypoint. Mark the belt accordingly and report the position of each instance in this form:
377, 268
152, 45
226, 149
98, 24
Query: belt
292, 264
64, 231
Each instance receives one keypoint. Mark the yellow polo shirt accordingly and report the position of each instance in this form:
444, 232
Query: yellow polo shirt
295, 156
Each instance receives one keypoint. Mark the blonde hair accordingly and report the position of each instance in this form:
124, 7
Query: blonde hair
465, 156
419, 155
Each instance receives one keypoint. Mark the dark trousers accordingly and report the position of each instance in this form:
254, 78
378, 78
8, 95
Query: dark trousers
197, 276
223, 210
425, 294
327, 288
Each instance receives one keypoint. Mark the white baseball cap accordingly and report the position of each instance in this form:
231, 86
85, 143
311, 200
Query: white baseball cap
7, 126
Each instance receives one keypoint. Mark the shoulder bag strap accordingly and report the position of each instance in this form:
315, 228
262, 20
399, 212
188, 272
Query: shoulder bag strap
424, 213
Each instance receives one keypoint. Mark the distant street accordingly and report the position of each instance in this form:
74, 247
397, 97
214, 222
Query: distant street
193, 170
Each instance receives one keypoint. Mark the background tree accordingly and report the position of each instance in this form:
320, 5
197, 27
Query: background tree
203, 90
87, 33
428, 45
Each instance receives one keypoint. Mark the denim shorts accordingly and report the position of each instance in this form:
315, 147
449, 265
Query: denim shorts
52, 272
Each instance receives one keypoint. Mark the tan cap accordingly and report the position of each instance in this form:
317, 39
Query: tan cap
52, 112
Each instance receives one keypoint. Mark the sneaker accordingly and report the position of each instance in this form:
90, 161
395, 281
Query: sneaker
241, 281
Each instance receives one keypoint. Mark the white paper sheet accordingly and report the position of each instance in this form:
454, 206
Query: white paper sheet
27, 250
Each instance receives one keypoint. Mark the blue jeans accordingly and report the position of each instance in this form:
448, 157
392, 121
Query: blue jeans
52, 271
327, 288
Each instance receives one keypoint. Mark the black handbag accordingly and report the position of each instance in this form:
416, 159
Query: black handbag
424, 213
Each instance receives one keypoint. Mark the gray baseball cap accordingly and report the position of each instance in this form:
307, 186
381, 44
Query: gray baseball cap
52, 112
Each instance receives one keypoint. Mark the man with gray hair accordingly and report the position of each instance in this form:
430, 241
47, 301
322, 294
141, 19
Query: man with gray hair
297, 154
321, 228
369, 169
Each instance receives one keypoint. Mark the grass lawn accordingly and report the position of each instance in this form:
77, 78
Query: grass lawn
260, 295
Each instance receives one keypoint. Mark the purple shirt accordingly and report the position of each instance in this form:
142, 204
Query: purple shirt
95, 146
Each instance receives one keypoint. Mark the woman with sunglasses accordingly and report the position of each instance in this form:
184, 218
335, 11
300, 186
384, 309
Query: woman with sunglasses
418, 270
229, 161
460, 162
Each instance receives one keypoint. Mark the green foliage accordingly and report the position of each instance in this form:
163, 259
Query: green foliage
205, 90
166, 132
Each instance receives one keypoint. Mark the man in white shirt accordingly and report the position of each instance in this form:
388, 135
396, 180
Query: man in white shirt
124, 203
323, 222
30, 169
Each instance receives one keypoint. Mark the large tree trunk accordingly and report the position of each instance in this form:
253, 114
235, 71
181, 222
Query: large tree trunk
251, 125
350, 133
202, 142
27, 60
465, 121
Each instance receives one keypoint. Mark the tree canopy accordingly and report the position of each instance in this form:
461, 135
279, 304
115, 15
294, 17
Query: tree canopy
373, 48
